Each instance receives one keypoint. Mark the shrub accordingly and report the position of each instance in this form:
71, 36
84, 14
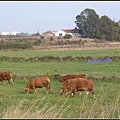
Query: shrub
67, 36
51, 38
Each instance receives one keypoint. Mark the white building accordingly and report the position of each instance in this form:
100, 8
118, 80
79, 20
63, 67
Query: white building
9, 33
72, 32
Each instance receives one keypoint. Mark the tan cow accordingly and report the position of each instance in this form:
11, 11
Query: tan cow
70, 76
38, 82
78, 84
6, 76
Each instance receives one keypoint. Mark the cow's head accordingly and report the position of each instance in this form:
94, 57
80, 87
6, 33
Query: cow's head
27, 90
61, 79
61, 91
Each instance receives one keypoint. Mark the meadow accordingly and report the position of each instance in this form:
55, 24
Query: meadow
15, 103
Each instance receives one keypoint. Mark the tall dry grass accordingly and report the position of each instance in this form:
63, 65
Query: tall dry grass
33, 111
97, 110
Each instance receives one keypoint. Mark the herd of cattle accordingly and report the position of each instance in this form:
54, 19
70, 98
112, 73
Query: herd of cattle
71, 83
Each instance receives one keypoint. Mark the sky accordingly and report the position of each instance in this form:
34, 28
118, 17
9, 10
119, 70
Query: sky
41, 16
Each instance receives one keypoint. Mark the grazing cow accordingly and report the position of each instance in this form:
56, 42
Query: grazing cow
38, 82
64, 78
6, 76
78, 84
70, 76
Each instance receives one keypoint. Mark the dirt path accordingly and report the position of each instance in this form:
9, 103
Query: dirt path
76, 47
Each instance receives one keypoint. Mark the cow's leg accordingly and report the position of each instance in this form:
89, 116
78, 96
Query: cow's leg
92, 91
47, 89
74, 93
80, 93
61, 91
8, 81
11, 78
66, 93
94, 94
3, 82
12, 81
87, 93
73, 90
34, 90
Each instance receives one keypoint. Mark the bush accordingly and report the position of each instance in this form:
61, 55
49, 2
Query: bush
15, 45
38, 42
42, 37
67, 36
51, 38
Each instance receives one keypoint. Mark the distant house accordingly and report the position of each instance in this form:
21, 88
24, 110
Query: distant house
48, 33
9, 33
63, 32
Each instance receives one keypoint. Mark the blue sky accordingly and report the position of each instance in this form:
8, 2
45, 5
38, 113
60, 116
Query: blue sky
31, 17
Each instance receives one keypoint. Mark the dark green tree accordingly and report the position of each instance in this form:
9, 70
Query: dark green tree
88, 23
109, 29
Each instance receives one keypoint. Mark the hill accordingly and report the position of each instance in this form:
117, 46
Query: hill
55, 43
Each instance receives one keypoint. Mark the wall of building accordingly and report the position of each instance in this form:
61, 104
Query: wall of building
60, 33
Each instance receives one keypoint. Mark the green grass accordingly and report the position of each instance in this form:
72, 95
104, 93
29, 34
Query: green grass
58, 53
106, 99
43, 68
51, 67
14, 103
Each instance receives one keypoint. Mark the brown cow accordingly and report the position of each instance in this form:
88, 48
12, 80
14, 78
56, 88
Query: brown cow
38, 82
6, 76
78, 84
70, 76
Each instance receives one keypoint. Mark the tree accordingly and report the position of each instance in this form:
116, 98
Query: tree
88, 23
109, 29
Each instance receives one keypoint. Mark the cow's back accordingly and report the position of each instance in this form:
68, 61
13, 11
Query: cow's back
41, 80
78, 82
7, 75
71, 76
38, 81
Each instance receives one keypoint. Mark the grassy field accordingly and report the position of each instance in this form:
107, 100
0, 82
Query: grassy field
62, 67
43, 68
14, 103
62, 53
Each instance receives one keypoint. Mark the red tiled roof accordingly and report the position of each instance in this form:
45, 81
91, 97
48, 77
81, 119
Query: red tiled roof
70, 30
